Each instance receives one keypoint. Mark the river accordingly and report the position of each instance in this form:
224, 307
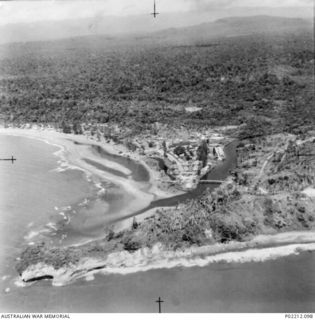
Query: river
31, 190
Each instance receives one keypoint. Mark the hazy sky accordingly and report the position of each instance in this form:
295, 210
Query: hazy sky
29, 11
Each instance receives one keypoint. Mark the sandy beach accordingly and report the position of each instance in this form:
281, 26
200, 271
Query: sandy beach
256, 250
73, 149
72, 155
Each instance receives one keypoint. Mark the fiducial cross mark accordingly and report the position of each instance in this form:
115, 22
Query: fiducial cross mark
12, 159
159, 301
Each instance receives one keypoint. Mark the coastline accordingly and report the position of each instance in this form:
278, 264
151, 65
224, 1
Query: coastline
177, 164
261, 248
73, 149
157, 257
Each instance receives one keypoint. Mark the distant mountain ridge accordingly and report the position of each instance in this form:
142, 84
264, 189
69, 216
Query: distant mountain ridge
266, 23
224, 27
237, 26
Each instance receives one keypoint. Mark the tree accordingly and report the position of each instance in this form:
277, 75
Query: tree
164, 148
65, 127
77, 129
202, 153
134, 223
254, 127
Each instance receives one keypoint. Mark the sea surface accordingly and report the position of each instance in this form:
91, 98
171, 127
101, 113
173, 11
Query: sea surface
38, 201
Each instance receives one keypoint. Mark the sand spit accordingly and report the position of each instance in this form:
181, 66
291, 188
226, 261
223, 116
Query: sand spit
73, 149
158, 258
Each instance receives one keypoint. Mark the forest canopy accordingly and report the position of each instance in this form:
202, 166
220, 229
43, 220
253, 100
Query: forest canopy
136, 83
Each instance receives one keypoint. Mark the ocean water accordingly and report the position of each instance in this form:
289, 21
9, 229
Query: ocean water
283, 285
33, 194
39, 202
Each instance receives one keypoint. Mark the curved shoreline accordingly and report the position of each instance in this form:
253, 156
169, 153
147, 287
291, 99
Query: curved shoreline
144, 258
73, 152
73, 156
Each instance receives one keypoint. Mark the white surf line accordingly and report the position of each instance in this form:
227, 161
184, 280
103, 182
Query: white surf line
166, 260
64, 140
156, 258
64, 146
72, 156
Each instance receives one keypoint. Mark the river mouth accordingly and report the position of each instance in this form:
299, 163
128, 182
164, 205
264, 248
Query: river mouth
106, 203
140, 174
114, 200
220, 172
270, 286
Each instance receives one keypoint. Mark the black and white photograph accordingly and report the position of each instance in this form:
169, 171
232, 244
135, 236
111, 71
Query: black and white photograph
157, 156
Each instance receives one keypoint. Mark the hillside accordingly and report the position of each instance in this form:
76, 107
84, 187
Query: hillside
139, 81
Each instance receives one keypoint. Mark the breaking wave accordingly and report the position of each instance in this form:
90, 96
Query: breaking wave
157, 258
145, 259
149, 259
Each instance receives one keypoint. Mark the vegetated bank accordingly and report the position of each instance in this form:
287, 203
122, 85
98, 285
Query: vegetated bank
265, 196
262, 82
